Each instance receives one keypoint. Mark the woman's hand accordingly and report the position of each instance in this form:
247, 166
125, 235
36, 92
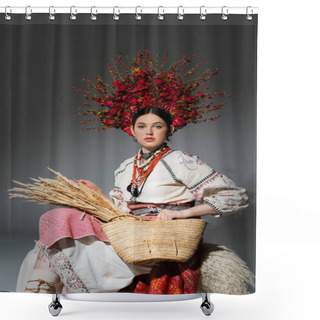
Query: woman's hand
166, 214
93, 187
193, 212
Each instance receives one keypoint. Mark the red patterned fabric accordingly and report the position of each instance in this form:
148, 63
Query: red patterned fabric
175, 285
190, 279
168, 278
141, 288
185, 283
159, 285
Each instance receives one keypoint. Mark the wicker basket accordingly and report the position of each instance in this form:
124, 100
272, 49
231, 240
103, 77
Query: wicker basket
148, 241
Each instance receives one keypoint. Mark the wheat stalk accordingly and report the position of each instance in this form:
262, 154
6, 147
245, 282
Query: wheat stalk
61, 191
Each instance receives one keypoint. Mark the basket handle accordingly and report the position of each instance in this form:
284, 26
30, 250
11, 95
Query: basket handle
127, 216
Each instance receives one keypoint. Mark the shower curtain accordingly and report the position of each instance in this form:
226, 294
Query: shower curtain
46, 63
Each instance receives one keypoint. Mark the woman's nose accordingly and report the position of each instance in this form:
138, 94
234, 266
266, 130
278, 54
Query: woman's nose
149, 130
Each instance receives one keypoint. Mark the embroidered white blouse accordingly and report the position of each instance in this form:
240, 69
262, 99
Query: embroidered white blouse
179, 178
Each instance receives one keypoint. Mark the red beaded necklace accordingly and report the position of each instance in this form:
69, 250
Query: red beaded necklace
140, 174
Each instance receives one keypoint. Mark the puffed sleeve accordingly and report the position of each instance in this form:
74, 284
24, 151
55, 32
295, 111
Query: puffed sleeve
209, 186
116, 196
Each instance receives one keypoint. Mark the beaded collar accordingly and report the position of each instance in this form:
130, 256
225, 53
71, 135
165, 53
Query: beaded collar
144, 159
142, 169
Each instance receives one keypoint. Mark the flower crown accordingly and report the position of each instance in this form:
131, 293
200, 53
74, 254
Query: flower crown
145, 82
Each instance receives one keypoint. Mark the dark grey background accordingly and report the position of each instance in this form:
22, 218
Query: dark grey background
39, 126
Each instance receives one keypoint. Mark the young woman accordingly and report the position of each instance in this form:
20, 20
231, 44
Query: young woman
177, 180
72, 255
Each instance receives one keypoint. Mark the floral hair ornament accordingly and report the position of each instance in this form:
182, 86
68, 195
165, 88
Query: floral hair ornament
145, 82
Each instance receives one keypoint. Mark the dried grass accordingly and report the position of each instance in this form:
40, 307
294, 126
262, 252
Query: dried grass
62, 191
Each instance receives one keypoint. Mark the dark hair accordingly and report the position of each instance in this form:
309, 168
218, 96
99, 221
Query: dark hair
163, 114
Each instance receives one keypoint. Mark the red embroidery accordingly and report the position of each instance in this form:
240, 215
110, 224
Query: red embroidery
159, 285
168, 278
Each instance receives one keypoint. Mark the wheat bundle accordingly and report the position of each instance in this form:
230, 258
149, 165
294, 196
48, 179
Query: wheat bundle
62, 191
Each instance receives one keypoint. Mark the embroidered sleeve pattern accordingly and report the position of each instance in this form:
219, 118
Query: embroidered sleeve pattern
168, 168
211, 187
123, 167
116, 196
222, 194
116, 193
190, 162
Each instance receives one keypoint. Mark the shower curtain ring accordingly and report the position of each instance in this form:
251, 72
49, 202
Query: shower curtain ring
93, 15
180, 13
224, 13
7, 10
138, 16
116, 14
160, 15
73, 13
28, 13
249, 15
203, 13
52, 12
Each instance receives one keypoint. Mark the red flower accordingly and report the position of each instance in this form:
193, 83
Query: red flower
145, 82
178, 123
158, 81
108, 122
141, 73
112, 111
127, 130
121, 87
126, 117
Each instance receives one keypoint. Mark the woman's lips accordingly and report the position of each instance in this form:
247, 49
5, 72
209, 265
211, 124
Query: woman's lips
149, 139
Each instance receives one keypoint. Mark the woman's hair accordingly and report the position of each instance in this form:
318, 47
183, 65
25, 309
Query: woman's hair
163, 114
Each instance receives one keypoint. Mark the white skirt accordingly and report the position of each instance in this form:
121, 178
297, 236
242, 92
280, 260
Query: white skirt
83, 265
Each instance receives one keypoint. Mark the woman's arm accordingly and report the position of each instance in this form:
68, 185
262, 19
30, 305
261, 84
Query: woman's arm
196, 211
217, 194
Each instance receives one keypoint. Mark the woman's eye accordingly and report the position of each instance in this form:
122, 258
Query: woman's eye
140, 127
159, 127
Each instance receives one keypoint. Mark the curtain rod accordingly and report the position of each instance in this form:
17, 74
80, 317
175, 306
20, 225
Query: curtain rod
129, 10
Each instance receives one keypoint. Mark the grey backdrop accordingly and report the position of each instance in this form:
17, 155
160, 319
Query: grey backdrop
40, 60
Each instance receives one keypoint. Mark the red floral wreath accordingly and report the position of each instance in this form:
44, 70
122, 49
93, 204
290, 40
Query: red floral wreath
143, 83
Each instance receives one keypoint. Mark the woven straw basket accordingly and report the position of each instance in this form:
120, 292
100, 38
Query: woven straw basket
148, 241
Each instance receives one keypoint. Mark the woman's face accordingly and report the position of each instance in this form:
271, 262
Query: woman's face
151, 131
